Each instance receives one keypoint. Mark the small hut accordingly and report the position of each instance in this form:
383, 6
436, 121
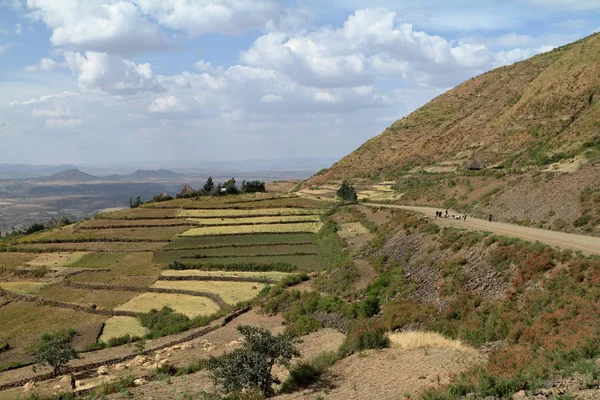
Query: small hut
187, 190
476, 165
164, 196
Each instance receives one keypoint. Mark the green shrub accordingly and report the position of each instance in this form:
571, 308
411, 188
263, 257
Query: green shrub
365, 334
347, 192
164, 322
307, 373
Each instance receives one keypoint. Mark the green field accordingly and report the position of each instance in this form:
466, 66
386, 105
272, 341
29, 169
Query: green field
241, 240
276, 276
72, 233
305, 263
279, 219
92, 246
141, 212
115, 327
23, 287
130, 223
275, 249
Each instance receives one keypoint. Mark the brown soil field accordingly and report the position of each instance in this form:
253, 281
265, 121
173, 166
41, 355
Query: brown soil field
101, 298
51, 260
95, 246
11, 260
142, 212
71, 233
192, 306
109, 223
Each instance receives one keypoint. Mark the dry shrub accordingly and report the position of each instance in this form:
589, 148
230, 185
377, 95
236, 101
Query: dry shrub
427, 340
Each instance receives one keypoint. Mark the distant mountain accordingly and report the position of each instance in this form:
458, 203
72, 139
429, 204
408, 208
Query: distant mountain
143, 174
24, 171
71, 175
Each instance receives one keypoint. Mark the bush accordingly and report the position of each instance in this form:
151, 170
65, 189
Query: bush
365, 334
164, 322
306, 373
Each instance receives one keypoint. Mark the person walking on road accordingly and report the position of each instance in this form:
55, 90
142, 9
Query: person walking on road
490, 218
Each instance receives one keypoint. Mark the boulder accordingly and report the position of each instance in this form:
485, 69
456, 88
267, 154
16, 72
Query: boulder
103, 370
520, 395
140, 382
29, 386
120, 367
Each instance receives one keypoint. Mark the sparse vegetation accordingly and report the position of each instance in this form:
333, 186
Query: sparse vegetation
56, 350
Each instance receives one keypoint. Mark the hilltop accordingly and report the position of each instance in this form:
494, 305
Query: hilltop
70, 175
533, 113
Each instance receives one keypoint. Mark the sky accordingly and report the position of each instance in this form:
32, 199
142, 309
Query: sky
126, 81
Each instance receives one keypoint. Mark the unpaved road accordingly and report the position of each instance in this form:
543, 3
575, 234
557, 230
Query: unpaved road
585, 244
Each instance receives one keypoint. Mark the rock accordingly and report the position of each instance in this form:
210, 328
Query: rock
140, 382
598, 363
120, 367
162, 363
148, 364
520, 395
140, 360
29, 386
187, 346
471, 396
157, 357
103, 370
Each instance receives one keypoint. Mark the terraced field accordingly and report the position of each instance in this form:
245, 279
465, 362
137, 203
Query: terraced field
119, 263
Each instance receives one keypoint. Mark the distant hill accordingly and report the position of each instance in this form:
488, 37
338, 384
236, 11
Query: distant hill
143, 174
22, 171
533, 113
71, 175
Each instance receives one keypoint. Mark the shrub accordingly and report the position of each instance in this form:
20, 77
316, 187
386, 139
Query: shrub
365, 334
164, 322
306, 373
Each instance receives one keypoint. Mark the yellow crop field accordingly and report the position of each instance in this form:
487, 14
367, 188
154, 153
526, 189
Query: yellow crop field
230, 292
56, 259
192, 306
273, 275
11, 260
223, 213
255, 220
22, 287
119, 326
312, 227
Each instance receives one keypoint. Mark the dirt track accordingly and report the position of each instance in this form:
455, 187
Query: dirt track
585, 244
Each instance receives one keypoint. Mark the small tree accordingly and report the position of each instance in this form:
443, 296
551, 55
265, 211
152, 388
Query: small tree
347, 192
208, 186
250, 367
135, 203
253, 187
55, 349
230, 187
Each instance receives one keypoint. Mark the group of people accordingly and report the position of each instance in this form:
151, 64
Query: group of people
440, 214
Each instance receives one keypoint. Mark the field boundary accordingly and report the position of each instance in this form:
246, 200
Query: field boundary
214, 278
202, 256
116, 360
96, 240
245, 234
63, 304
188, 223
243, 245
140, 289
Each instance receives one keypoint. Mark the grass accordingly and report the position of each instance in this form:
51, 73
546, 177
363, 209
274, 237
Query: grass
304, 263
233, 213
56, 259
23, 287
192, 306
241, 240
242, 274
255, 220
72, 233
167, 256
119, 326
230, 292
313, 227
92, 246
11, 260
427, 340
101, 298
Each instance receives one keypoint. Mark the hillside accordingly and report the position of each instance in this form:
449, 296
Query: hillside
71, 175
532, 113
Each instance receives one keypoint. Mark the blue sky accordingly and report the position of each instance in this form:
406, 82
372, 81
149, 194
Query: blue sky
107, 81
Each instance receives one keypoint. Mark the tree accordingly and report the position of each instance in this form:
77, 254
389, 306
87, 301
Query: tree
135, 203
65, 221
253, 187
250, 367
55, 349
35, 228
208, 186
347, 192
230, 187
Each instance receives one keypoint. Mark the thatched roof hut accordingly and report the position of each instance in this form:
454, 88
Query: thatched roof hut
164, 195
187, 190
476, 165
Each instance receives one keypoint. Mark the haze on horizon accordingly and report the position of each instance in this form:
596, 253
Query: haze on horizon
106, 81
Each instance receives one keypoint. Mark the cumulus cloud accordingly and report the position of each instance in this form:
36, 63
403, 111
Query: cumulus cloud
166, 105
270, 98
197, 17
97, 25
42, 99
100, 72
45, 64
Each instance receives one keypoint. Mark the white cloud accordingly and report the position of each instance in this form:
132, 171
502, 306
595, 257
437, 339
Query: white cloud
197, 17
95, 25
166, 105
18, 29
271, 98
204, 66
57, 113
325, 97
42, 99
4, 47
60, 123
45, 64
100, 72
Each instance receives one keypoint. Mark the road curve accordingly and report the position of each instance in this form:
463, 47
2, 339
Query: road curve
585, 244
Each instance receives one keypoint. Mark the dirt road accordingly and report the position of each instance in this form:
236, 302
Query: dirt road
586, 244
